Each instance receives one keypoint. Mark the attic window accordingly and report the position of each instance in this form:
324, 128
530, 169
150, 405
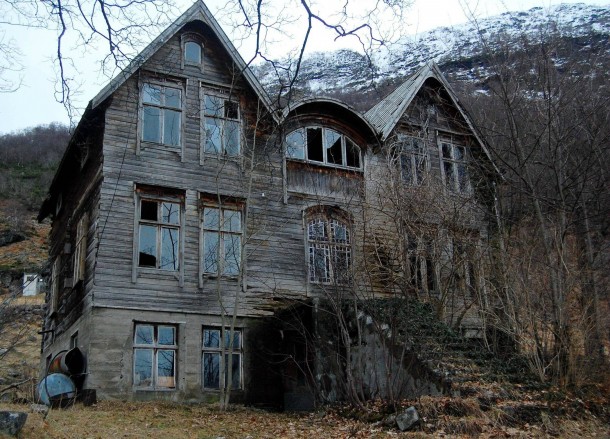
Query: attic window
192, 53
323, 145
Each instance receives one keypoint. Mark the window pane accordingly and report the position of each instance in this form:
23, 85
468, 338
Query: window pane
171, 127
317, 230
148, 210
148, 246
405, 166
319, 263
236, 339
449, 178
314, 144
232, 221
213, 106
165, 368
235, 368
334, 149
210, 252
212, 135
142, 371
352, 154
192, 52
462, 177
172, 97
151, 129
231, 138
231, 110
232, 254
211, 370
341, 264
458, 152
420, 168
446, 150
339, 232
169, 249
170, 213
211, 338
295, 144
151, 94
211, 218
167, 335
144, 334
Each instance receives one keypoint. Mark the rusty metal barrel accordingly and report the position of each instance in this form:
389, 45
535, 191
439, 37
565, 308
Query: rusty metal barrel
70, 362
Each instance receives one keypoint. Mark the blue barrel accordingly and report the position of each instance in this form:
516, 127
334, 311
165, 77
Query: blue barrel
55, 389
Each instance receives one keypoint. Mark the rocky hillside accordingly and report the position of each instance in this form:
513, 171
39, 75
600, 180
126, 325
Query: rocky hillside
459, 51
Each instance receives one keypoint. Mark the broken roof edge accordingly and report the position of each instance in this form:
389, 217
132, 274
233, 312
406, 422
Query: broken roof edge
198, 11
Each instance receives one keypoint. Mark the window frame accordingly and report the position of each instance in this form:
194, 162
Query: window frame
422, 263
330, 249
174, 85
80, 248
187, 61
160, 226
455, 163
205, 230
418, 160
222, 359
325, 162
155, 347
221, 122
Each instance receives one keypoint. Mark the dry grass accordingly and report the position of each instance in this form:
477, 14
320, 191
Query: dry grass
112, 419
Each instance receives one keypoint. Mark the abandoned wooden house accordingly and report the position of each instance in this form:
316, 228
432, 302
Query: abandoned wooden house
187, 203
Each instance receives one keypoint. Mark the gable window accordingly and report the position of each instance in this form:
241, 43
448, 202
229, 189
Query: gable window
154, 356
192, 53
330, 252
222, 134
215, 365
454, 166
323, 145
159, 234
222, 231
80, 248
413, 160
161, 114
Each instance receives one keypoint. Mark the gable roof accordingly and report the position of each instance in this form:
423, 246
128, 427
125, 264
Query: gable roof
198, 11
385, 114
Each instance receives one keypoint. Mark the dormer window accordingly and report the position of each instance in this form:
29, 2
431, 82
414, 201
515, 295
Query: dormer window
192, 53
323, 146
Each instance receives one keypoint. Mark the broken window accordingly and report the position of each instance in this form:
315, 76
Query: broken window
159, 234
454, 166
222, 232
330, 251
154, 356
215, 365
323, 145
222, 133
413, 160
161, 114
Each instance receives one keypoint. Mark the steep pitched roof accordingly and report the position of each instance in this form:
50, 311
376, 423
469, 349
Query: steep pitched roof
198, 11
385, 114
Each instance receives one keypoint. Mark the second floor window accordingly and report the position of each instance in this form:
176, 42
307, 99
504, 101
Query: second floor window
222, 229
413, 160
330, 252
323, 145
161, 114
159, 234
454, 166
222, 134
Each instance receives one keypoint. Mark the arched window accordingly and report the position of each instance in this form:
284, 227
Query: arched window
192, 53
330, 251
323, 145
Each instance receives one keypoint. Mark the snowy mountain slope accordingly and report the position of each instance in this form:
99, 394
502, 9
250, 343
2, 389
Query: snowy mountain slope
455, 49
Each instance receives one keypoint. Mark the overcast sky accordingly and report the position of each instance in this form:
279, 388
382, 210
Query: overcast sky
34, 102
